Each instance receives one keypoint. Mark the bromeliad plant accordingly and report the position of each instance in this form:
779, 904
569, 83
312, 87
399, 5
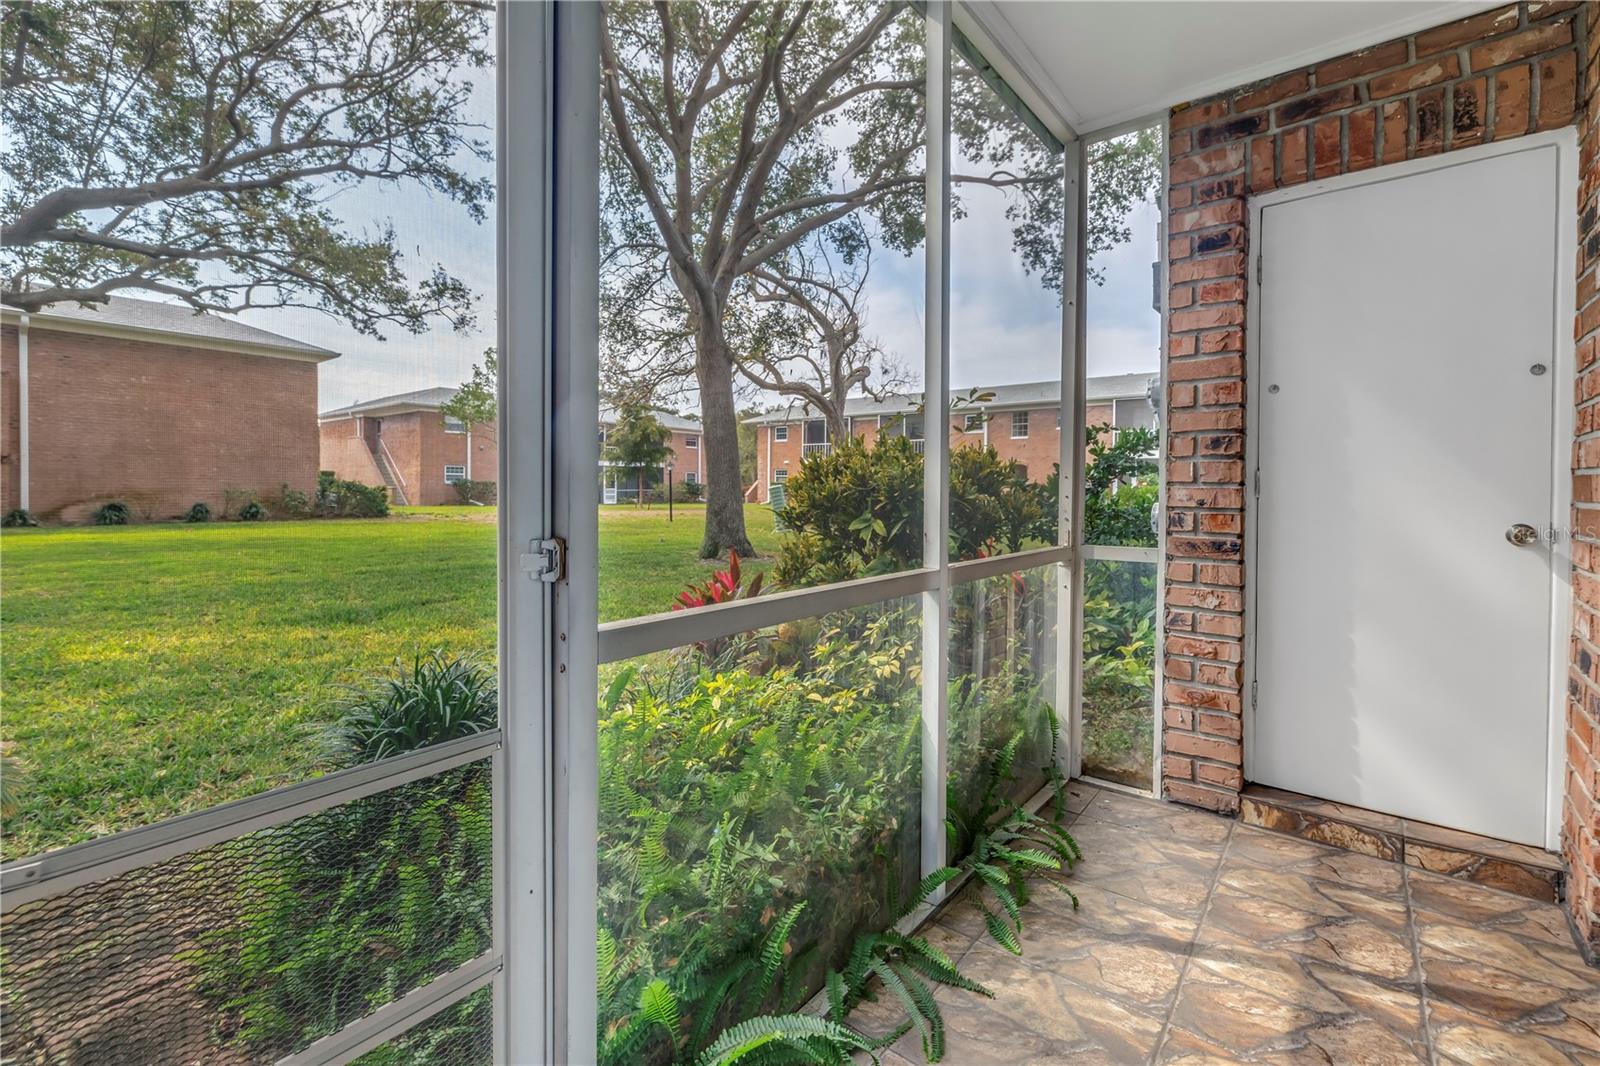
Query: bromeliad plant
725, 586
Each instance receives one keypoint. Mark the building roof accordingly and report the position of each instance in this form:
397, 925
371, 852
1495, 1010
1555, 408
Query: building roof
397, 403
1028, 394
435, 398
123, 316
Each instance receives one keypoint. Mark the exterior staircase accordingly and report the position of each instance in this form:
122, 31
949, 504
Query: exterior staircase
391, 476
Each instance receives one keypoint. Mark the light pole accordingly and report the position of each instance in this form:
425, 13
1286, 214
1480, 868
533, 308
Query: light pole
669, 492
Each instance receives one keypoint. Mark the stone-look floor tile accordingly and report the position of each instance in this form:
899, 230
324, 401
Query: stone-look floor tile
1303, 891
1037, 1017
1322, 829
1310, 859
1340, 939
1463, 1037
1104, 915
1441, 836
1444, 940
1344, 812
1159, 818
1536, 882
1079, 795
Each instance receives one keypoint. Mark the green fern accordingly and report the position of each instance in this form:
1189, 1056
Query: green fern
796, 1031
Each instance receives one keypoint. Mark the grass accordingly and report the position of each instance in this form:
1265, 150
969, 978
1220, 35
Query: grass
156, 669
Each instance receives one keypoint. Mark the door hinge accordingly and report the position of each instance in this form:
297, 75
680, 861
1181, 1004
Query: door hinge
1252, 695
1258, 270
546, 559
1255, 481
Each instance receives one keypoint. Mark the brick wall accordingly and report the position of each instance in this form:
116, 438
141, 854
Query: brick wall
344, 450
157, 426
1580, 826
1498, 74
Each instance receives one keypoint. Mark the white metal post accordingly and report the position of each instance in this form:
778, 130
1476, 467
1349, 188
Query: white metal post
576, 457
936, 458
523, 993
1069, 590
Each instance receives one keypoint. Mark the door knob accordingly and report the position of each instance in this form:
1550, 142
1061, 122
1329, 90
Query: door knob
1522, 533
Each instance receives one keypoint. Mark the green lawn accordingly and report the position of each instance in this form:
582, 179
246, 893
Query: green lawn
151, 670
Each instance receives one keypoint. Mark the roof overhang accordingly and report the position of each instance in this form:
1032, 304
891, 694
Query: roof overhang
37, 320
376, 411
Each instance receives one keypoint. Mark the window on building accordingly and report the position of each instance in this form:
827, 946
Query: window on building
913, 425
816, 431
973, 423
1130, 413
780, 434
688, 477
453, 474
691, 442
781, 475
454, 425
1019, 424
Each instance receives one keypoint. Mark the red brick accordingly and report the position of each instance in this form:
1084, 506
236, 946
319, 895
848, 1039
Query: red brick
1362, 136
1224, 159
1512, 97
1211, 799
1530, 42
1396, 130
1222, 776
1177, 766
1294, 154
1357, 64
1327, 147
1430, 122
1187, 116
1217, 214
1558, 89
1265, 94
1418, 76
1315, 106
1263, 171
1203, 747
1207, 317
1222, 340
1199, 369
1476, 28
1198, 269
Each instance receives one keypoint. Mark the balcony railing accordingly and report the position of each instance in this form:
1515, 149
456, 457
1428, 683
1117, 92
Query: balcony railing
808, 450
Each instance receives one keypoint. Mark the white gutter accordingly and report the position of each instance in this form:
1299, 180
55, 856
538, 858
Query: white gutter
22, 411
469, 451
763, 490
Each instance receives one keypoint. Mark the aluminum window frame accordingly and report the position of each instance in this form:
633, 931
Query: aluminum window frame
583, 644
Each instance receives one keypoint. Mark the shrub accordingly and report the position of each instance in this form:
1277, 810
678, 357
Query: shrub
115, 513
292, 503
252, 512
199, 512
436, 698
349, 499
692, 490
480, 492
18, 518
370, 898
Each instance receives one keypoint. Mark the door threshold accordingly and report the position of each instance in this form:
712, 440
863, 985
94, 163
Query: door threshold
1510, 867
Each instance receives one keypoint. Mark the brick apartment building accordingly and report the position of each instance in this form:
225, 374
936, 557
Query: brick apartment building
1021, 422
688, 456
407, 443
151, 404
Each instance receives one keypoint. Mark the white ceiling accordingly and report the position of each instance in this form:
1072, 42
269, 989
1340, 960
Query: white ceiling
1097, 63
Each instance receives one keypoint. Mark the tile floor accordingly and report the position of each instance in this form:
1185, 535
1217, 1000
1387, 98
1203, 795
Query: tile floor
1202, 940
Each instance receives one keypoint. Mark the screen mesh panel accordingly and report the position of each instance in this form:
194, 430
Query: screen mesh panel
248, 950
459, 1035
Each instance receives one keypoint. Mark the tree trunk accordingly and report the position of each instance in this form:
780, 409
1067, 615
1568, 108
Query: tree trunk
719, 436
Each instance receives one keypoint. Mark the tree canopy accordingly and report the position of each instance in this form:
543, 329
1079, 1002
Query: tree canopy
193, 150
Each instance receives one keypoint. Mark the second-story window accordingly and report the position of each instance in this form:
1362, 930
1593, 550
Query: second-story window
973, 423
691, 442
1019, 424
454, 425
780, 434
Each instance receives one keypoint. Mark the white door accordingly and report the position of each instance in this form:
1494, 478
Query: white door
1405, 389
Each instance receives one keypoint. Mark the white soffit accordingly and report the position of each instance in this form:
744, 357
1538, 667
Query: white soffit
1095, 64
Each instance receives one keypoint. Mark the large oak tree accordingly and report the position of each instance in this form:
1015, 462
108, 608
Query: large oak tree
193, 150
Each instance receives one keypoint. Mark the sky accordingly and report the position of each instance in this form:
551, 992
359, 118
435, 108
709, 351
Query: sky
1004, 326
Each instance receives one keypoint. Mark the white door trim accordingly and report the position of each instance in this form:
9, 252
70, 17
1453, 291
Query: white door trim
1564, 296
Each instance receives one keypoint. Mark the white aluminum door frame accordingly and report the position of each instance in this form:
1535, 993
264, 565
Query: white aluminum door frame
1563, 363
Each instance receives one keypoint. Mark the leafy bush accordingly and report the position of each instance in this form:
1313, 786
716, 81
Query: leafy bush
1119, 641
691, 490
198, 512
115, 513
349, 499
371, 898
292, 503
436, 698
252, 512
857, 511
480, 492
18, 518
